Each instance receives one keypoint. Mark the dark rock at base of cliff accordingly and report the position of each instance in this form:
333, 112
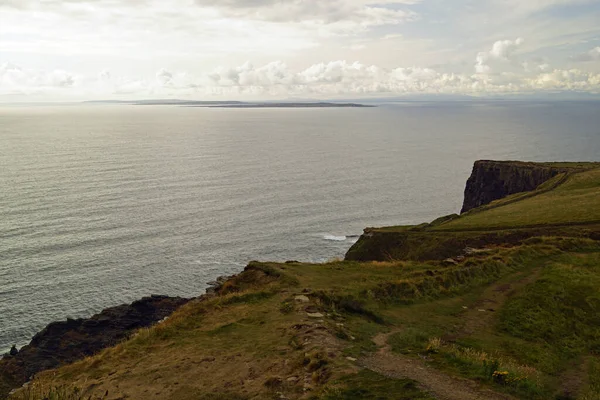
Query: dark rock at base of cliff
64, 342
494, 180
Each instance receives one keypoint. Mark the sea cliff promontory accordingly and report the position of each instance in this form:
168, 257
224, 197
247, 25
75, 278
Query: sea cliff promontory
499, 302
63, 342
494, 180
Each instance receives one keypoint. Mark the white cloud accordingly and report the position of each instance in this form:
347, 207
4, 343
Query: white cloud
501, 53
14, 79
276, 80
592, 55
195, 48
392, 36
366, 12
572, 79
138, 37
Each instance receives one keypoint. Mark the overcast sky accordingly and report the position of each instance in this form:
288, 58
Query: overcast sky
262, 49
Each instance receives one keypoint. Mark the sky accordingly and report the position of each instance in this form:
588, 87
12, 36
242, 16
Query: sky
62, 50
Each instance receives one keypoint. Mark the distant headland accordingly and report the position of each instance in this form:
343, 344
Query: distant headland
231, 104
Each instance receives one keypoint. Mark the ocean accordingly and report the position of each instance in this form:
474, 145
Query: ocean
103, 204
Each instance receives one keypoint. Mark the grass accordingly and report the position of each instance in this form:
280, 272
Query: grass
536, 336
257, 322
569, 209
522, 317
38, 391
561, 309
575, 201
494, 368
254, 336
592, 388
368, 385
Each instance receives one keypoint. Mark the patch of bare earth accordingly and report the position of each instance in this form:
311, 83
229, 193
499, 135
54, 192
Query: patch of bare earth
574, 378
481, 316
437, 383
192, 370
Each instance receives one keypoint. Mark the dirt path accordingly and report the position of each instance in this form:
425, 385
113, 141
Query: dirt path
479, 317
440, 385
482, 314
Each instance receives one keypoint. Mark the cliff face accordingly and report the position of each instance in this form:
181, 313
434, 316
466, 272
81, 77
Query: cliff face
67, 341
493, 180
489, 181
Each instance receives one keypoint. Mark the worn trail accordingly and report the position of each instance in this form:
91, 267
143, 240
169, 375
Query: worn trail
481, 316
439, 384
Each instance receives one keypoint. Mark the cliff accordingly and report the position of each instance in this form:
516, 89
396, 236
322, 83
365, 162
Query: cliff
67, 341
493, 180
511, 219
463, 306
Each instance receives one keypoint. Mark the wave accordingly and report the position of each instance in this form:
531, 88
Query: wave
334, 238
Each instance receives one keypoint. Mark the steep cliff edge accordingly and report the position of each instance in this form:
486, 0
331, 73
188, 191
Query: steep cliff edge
67, 341
463, 306
527, 200
494, 180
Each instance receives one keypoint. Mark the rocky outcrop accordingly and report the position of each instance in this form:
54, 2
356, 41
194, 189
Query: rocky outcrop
489, 181
493, 180
427, 245
67, 341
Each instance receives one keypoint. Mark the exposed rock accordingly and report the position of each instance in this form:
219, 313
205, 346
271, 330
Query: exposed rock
493, 180
382, 245
470, 251
311, 309
13, 351
67, 341
214, 286
302, 299
314, 315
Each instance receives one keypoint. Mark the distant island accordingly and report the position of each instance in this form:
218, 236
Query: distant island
230, 104
289, 105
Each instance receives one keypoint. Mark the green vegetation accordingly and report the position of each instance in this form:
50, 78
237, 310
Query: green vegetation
545, 318
561, 309
504, 299
368, 385
37, 391
575, 201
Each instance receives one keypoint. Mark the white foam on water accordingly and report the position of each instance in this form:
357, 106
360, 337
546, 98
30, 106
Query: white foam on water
334, 238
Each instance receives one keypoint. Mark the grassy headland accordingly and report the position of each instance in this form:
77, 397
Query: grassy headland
500, 303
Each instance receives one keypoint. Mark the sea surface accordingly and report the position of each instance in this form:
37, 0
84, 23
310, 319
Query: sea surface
101, 205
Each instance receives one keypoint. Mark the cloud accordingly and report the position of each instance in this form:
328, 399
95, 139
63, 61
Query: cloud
14, 79
276, 80
246, 75
569, 80
496, 71
392, 36
327, 12
592, 55
501, 53
331, 17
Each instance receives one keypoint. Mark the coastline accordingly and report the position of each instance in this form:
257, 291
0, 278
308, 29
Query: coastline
65, 342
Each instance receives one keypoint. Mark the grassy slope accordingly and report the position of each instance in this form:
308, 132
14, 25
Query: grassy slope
564, 199
575, 201
247, 343
521, 319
